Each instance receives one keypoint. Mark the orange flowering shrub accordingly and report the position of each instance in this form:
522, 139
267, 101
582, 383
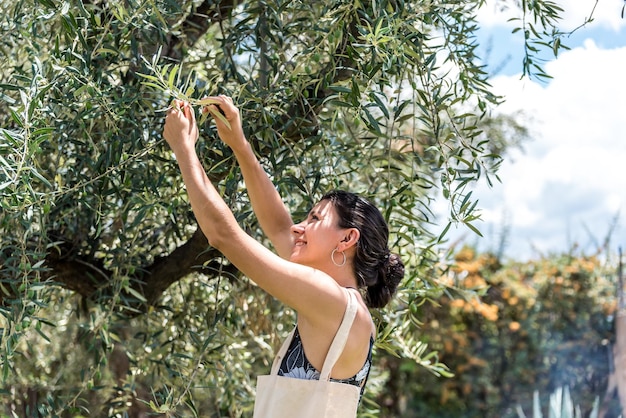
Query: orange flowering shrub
506, 331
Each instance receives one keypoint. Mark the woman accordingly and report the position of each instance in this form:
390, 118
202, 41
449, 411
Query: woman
342, 244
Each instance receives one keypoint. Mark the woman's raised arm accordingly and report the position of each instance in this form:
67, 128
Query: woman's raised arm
267, 204
301, 287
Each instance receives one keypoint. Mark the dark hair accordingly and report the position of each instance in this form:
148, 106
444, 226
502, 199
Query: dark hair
376, 268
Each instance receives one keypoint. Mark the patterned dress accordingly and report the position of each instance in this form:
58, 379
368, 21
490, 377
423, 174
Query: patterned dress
296, 365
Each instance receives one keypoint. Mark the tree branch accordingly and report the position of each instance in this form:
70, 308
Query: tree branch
307, 108
181, 262
88, 277
195, 25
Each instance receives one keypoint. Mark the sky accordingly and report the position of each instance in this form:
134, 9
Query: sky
566, 189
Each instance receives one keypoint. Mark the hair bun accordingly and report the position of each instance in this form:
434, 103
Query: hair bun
391, 272
395, 272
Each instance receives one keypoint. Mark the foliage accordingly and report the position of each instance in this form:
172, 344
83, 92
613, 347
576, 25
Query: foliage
111, 302
539, 324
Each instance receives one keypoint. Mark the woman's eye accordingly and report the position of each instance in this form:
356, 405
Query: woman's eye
315, 217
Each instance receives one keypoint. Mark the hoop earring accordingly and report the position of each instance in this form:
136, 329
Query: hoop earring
332, 257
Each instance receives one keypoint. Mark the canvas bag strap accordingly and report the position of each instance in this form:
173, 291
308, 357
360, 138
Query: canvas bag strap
339, 342
281, 353
336, 347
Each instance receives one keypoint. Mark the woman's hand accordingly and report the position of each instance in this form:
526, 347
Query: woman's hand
180, 130
233, 136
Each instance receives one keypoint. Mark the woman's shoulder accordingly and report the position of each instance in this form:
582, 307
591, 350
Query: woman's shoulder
363, 319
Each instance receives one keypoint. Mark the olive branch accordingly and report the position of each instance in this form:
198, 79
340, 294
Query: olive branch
167, 78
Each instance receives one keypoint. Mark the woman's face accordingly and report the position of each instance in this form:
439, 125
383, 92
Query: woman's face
317, 236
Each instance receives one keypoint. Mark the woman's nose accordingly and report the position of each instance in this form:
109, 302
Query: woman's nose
298, 229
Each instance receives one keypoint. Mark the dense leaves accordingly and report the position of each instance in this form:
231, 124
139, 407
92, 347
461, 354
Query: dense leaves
111, 302
539, 326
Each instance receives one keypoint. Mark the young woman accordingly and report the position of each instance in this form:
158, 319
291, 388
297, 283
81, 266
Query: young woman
342, 244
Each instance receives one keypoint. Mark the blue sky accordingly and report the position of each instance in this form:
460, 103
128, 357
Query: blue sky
568, 184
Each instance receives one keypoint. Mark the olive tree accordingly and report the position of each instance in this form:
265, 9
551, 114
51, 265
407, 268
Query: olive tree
112, 302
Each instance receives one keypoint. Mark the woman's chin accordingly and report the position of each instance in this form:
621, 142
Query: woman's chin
294, 257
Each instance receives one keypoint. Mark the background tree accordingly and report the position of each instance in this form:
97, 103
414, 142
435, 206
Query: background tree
102, 308
537, 326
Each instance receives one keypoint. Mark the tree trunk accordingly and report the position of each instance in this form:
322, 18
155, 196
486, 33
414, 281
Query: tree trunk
620, 358
617, 356
620, 340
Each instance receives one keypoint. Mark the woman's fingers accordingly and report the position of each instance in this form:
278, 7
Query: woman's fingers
180, 123
224, 105
189, 113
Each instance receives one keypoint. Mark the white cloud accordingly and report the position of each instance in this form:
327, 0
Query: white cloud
607, 13
570, 181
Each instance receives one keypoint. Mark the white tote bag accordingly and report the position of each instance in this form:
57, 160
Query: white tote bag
288, 397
